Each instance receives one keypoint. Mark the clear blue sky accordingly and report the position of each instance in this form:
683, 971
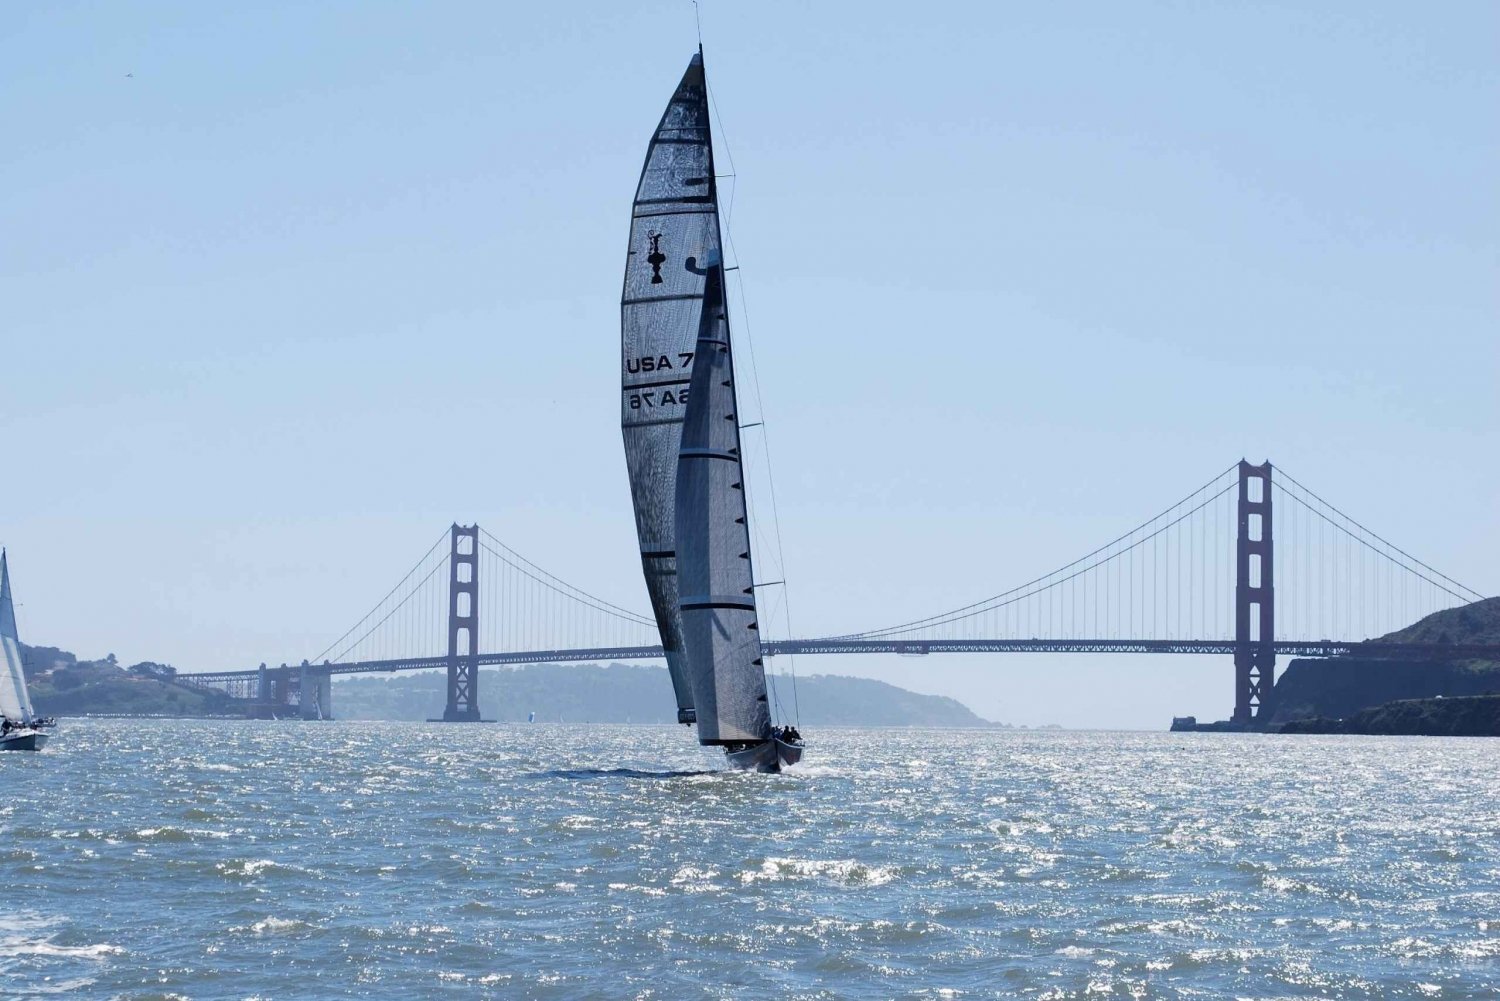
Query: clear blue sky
315, 280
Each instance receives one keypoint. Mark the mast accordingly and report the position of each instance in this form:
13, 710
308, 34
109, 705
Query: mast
674, 225
15, 702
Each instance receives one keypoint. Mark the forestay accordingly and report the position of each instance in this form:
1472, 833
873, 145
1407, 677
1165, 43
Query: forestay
673, 228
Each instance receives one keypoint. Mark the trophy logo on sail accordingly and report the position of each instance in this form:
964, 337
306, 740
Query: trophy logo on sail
656, 258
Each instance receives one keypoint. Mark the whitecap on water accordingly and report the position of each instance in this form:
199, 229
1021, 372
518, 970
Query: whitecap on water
20, 945
842, 871
251, 868
274, 926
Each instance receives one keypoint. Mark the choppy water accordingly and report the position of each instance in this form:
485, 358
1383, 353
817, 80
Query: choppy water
266, 860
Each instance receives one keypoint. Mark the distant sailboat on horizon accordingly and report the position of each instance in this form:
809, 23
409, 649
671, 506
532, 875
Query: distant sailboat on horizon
680, 423
20, 728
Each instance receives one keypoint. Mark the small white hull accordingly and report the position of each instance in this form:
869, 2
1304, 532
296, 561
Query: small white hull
23, 740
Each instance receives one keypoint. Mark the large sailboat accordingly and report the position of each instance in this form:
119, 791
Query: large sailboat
18, 727
681, 427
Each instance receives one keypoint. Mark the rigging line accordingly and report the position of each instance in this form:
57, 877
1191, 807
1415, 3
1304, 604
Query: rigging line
765, 433
759, 400
382, 601
577, 590
765, 614
1349, 562
1362, 528
1021, 587
435, 568
1130, 610
602, 606
728, 155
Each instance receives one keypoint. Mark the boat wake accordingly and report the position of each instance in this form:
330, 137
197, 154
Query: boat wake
623, 773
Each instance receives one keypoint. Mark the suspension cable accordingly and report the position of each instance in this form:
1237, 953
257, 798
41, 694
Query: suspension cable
399, 605
417, 566
1442, 587
1077, 573
1476, 595
991, 602
559, 585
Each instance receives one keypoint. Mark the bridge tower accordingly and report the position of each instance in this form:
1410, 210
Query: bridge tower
463, 626
1254, 597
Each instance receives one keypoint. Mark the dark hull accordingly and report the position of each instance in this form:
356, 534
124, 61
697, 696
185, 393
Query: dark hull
755, 758
30, 740
768, 756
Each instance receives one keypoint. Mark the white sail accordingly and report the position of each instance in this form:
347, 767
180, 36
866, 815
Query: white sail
15, 702
674, 225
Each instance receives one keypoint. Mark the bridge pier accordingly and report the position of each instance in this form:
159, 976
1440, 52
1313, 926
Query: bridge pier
265, 696
463, 626
272, 693
315, 692
1254, 598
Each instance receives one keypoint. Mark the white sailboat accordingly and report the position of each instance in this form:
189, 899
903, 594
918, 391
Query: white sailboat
18, 728
679, 414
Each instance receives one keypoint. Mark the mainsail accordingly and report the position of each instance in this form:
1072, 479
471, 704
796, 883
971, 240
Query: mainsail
714, 573
674, 226
15, 703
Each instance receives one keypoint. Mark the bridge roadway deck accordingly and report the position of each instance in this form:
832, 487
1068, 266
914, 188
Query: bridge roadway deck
843, 645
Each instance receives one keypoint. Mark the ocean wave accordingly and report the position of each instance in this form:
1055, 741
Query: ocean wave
17, 946
174, 835
274, 926
256, 868
846, 872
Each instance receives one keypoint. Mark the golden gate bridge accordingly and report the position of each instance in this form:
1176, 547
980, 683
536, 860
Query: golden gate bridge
1214, 573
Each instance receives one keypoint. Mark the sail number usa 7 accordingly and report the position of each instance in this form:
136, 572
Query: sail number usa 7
659, 363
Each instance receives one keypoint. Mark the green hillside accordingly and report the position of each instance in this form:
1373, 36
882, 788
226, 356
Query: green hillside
62, 685
1339, 687
1465, 716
